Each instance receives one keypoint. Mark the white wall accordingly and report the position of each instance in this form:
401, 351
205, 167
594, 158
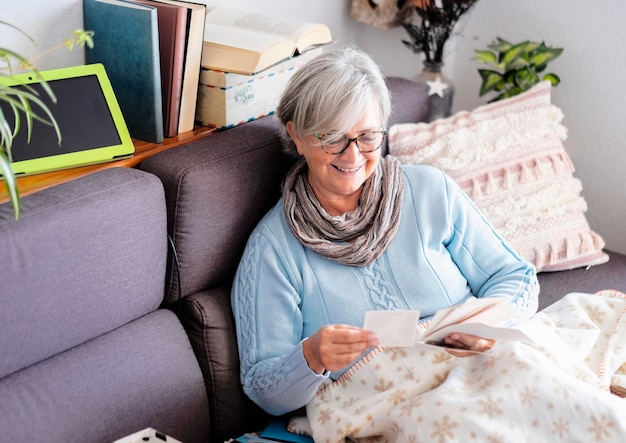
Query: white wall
592, 69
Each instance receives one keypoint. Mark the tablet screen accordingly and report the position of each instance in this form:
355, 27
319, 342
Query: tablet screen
81, 112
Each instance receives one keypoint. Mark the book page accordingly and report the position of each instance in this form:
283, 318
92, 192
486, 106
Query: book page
303, 34
242, 39
242, 51
479, 330
488, 310
477, 316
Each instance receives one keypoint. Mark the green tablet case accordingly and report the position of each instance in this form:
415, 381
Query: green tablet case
93, 129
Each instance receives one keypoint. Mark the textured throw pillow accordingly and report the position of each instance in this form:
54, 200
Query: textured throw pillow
508, 156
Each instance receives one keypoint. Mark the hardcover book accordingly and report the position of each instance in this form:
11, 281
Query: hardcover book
246, 43
193, 55
172, 41
126, 42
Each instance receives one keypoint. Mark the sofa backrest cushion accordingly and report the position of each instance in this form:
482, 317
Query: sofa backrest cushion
409, 103
84, 258
217, 189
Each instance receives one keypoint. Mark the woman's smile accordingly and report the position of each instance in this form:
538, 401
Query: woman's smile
347, 170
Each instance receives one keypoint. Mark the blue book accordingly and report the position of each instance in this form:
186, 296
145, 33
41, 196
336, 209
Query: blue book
126, 42
277, 430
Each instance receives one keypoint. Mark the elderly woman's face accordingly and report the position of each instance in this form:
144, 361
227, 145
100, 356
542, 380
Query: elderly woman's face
337, 178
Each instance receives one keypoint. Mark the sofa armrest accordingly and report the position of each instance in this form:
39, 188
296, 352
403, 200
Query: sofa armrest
209, 322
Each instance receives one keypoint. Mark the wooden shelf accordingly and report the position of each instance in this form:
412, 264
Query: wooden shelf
36, 182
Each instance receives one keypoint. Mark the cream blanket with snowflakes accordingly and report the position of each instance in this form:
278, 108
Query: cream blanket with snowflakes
554, 389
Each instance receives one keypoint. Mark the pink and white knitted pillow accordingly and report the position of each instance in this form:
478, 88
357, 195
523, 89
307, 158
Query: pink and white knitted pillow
508, 156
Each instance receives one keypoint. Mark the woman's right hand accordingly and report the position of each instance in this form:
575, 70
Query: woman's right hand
334, 347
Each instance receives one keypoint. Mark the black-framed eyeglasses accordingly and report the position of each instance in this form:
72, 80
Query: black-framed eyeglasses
336, 144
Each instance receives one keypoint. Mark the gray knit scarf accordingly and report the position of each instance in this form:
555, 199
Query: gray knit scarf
358, 237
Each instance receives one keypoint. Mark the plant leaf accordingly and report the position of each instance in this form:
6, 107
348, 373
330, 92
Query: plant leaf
500, 45
490, 80
487, 57
507, 94
532, 46
79, 37
7, 55
526, 78
6, 133
10, 184
543, 57
517, 67
512, 54
22, 100
518, 63
552, 78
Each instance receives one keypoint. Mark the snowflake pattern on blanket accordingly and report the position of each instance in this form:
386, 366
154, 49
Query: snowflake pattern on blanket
556, 389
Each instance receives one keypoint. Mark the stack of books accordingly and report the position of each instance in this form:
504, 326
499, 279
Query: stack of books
247, 60
152, 52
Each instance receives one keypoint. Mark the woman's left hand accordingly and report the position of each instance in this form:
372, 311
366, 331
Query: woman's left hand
464, 345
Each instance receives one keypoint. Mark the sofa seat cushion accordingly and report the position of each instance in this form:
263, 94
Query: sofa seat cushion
84, 258
610, 275
141, 375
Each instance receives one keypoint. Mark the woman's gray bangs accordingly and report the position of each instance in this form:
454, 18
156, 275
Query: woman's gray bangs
340, 109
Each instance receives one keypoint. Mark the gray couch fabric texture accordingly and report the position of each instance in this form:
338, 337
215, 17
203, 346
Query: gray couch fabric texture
610, 275
217, 189
140, 375
78, 263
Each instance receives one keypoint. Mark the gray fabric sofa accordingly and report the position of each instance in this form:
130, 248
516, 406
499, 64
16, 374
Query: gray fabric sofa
87, 354
105, 330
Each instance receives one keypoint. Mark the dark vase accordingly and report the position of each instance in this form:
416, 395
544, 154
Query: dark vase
440, 90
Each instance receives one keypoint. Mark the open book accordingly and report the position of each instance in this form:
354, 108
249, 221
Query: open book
246, 43
481, 317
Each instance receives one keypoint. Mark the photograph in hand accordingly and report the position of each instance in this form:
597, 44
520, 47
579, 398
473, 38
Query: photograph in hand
480, 317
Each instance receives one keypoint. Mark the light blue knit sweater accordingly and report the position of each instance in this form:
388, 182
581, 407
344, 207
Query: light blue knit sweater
443, 253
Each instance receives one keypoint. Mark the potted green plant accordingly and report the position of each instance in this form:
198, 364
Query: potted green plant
516, 67
23, 106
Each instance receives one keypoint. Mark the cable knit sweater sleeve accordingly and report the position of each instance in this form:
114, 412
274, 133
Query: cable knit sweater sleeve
274, 372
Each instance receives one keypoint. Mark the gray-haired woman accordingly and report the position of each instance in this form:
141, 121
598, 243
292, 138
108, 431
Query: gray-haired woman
355, 232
